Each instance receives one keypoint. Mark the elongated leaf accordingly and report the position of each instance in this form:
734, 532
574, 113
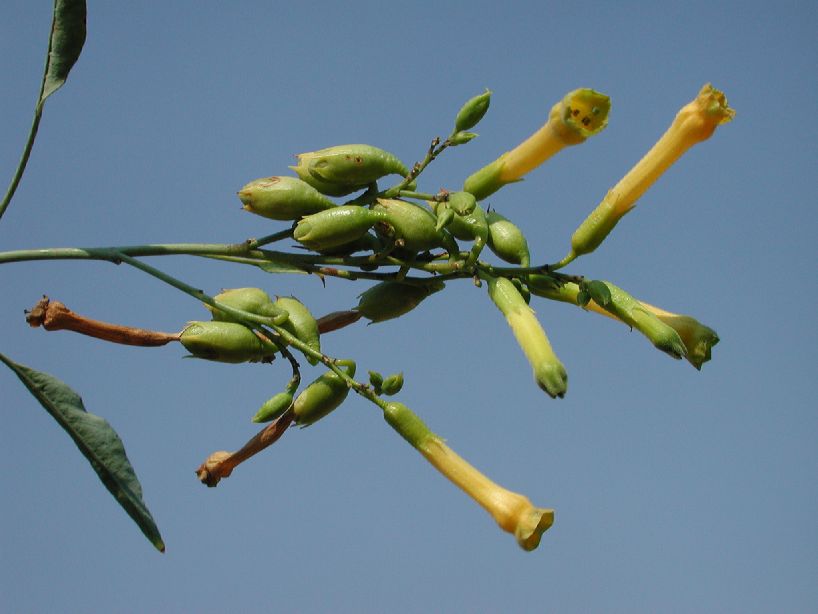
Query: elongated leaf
96, 439
67, 38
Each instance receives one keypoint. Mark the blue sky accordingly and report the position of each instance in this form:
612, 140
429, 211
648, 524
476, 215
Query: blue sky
675, 490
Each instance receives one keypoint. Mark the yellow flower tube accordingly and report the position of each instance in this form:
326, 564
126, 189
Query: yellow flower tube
513, 512
579, 115
694, 123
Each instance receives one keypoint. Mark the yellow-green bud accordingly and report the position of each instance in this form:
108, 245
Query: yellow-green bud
344, 169
335, 227
301, 324
225, 342
274, 407
283, 198
322, 396
507, 240
472, 112
392, 299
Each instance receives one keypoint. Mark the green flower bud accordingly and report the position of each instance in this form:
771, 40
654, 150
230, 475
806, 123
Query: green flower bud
375, 380
301, 324
462, 203
392, 384
322, 396
392, 299
549, 372
274, 407
416, 226
506, 240
283, 198
461, 138
225, 342
335, 227
466, 227
253, 300
473, 111
344, 169
444, 217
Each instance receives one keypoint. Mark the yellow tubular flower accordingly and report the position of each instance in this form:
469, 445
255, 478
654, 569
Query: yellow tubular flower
694, 123
513, 512
582, 113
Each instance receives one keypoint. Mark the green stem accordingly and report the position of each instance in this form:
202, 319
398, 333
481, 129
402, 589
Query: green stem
21, 166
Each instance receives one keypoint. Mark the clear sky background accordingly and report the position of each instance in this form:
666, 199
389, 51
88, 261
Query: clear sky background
675, 490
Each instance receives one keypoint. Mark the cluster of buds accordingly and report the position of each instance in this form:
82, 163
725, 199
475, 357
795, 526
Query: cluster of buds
400, 227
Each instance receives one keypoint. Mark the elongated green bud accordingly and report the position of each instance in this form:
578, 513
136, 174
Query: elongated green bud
301, 323
407, 424
274, 407
625, 307
321, 397
472, 112
283, 198
344, 169
335, 227
392, 299
416, 226
507, 240
225, 342
253, 300
392, 384
549, 372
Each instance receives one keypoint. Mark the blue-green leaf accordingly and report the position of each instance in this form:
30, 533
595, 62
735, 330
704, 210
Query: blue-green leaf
67, 38
96, 439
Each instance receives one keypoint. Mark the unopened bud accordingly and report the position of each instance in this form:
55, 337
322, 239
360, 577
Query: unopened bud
225, 342
300, 324
274, 407
472, 112
392, 384
416, 226
334, 227
252, 300
392, 299
344, 169
507, 240
283, 198
322, 396
462, 203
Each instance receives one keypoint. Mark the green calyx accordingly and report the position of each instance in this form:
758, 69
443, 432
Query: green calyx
335, 227
413, 225
300, 324
506, 240
252, 300
407, 424
282, 198
343, 169
462, 203
472, 112
625, 307
225, 342
274, 407
486, 181
321, 397
392, 299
